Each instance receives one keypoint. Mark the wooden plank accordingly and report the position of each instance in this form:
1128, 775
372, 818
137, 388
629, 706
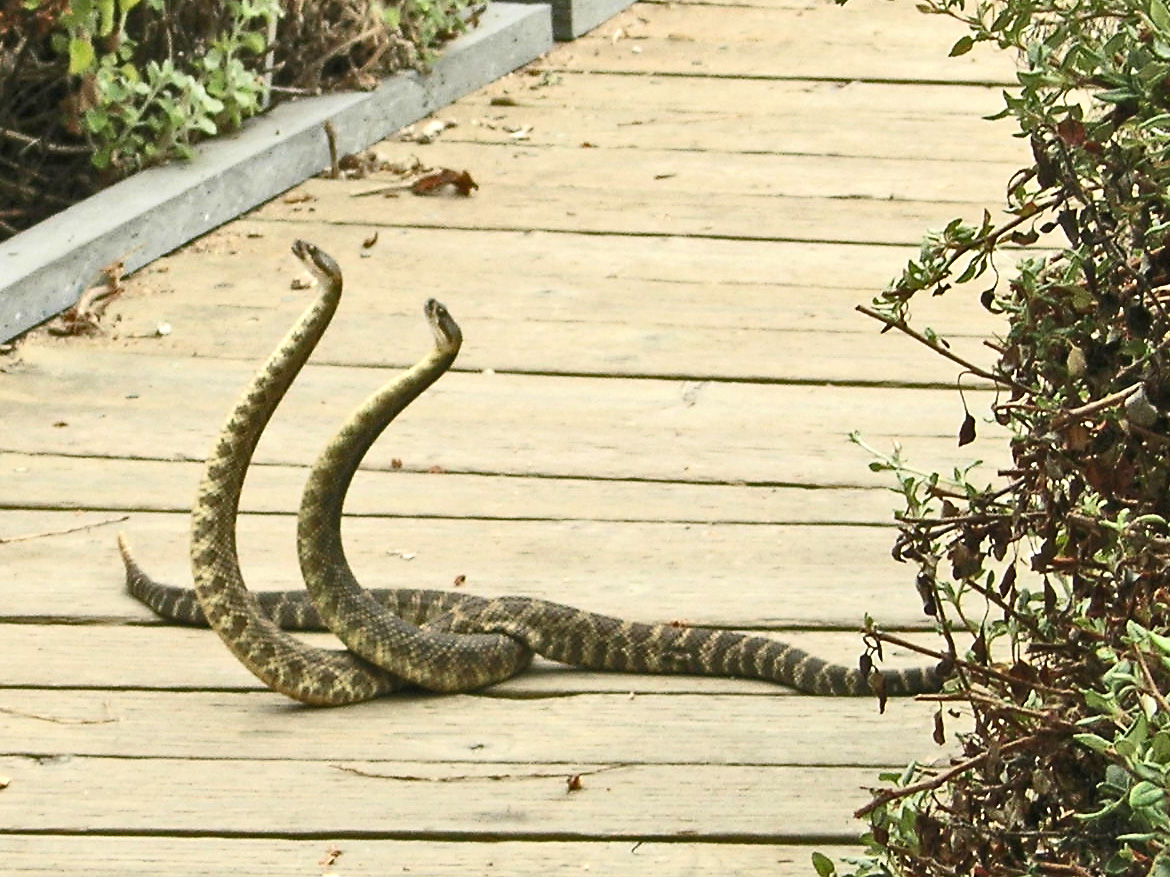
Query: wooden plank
808, 289
703, 729
510, 205
401, 800
49, 482
37, 481
711, 325
724, 575
60, 657
494, 423
568, 346
599, 92
937, 123
864, 40
34, 855
562, 258
658, 176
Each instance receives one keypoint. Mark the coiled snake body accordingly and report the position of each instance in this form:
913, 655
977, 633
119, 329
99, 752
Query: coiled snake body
434, 639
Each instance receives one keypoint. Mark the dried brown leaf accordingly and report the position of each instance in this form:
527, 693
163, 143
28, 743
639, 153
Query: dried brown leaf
443, 182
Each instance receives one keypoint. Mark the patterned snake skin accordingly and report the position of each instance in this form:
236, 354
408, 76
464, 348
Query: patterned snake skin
467, 641
280, 661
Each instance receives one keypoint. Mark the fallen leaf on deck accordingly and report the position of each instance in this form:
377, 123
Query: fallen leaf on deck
444, 182
370, 241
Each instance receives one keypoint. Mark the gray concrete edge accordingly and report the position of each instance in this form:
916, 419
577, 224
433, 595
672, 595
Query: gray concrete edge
43, 270
574, 18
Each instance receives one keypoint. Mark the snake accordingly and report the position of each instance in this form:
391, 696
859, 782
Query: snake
285, 664
466, 641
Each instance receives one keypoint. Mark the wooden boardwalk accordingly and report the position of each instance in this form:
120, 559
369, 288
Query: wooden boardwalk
656, 282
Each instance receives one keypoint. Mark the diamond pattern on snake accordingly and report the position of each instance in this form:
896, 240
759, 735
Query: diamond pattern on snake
438, 640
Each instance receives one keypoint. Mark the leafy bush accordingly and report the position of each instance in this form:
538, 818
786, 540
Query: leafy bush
136, 113
1051, 585
93, 90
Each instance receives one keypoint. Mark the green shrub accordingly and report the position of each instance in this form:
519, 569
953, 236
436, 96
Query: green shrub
138, 111
1051, 585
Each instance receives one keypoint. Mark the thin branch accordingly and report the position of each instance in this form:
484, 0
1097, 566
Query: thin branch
975, 668
1093, 407
48, 146
942, 351
888, 795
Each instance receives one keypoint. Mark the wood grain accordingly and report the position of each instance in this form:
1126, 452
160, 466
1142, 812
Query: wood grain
657, 284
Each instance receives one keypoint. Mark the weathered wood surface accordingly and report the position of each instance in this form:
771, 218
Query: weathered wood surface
857, 118
802, 40
715, 574
28, 856
571, 304
649, 419
586, 427
441, 800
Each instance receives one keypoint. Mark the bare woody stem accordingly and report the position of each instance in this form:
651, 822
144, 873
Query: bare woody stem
1093, 407
942, 351
885, 796
976, 669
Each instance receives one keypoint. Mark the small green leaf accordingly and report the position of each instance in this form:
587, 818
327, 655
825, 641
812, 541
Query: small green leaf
254, 42
823, 865
1160, 15
81, 55
962, 46
1145, 794
97, 119
105, 17
1092, 741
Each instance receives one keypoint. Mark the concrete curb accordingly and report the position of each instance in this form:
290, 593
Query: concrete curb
43, 270
572, 18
